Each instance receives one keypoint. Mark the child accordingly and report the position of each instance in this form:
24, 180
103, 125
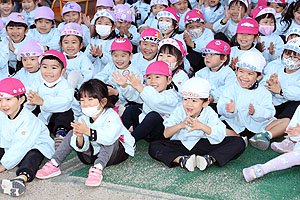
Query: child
158, 99
124, 28
55, 96
98, 51
99, 137
280, 7
30, 74
244, 40
226, 27
45, 30
104, 4
173, 52
71, 12
281, 162
196, 38
80, 68
25, 140
217, 72
283, 82
247, 107
121, 53
182, 7
272, 43
197, 136
29, 7
148, 45
141, 10
151, 21
293, 33
6, 8
212, 11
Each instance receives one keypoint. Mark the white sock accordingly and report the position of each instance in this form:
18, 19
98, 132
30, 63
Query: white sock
54, 162
270, 134
99, 166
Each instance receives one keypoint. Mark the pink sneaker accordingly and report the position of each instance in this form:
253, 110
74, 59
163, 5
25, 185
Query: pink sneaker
283, 147
48, 171
94, 178
252, 173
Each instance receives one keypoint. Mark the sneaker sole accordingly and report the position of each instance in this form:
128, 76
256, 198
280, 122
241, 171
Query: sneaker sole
260, 144
201, 163
49, 176
12, 188
94, 185
279, 150
245, 175
191, 163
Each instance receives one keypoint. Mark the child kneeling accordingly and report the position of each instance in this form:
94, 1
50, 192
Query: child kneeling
197, 136
100, 138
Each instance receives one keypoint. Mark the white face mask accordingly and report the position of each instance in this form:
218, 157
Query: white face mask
51, 84
92, 111
164, 26
103, 30
172, 66
76, 54
196, 33
290, 64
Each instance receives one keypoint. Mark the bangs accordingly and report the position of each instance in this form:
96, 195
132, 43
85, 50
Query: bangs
169, 49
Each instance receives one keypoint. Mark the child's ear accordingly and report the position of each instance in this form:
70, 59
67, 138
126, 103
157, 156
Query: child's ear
131, 56
113, 27
60, 44
256, 38
22, 100
103, 102
63, 72
224, 59
169, 80
81, 45
26, 30
205, 104
259, 77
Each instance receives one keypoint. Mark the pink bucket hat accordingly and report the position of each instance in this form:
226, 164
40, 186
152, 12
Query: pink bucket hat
247, 26
71, 6
193, 16
246, 2
105, 3
16, 17
105, 13
176, 43
262, 3
71, 29
217, 46
11, 87
55, 53
159, 67
261, 10
161, 2
31, 48
195, 88
123, 13
151, 35
122, 44
278, 1
170, 13
44, 12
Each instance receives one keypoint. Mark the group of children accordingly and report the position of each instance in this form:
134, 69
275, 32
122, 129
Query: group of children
197, 80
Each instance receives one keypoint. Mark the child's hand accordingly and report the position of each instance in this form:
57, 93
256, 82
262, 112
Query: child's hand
188, 40
200, 4
251, 109
271, 49
96, 50
135, 11
119, 79
263, 46
233, 62
206, 3
293, 131
273, 85
34, 98
227, 15
230, 107
135, 82
11, 46
2, 168
80, 128
86, 20
195, 124
240, 13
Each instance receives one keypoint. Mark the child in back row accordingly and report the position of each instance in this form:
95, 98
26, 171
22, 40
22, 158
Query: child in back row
212, 11
197, 136
6, 8
29, 7
99, 137
182, 7
25, 140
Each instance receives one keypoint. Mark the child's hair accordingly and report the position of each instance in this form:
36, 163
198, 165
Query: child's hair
12, 23
234, 42
289, 15
283, 5
111, 36
7, 1
234, 2
96, 89
79, 38
19, 97
47, 19
50, 57
267, 15
150, 14
222, 56
218, 6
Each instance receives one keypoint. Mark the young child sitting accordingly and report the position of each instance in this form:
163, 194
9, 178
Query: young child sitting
197, 136
45, 30
25, 140
98, 137
212, 11
29, 7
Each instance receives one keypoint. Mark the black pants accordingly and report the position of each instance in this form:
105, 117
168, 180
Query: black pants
222, 36
167, 150
61, 120
244, 133
196, 60
130, 116
287, 109
30, 163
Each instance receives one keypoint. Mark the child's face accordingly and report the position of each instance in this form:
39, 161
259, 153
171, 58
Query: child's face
121, 58
267, 22
123, 25
292, 36
104, 7
31, 64
103, 21
87, 101
71, 44
277, 8
245, 40
158, 82
29, 5
181, 6
212, 60
193, 106
43, 25
71, 16
167, 58
16, 33
213, 3
157, 8
195, 25
169, 20
11, 106
291, 54
246, 77
51, 70
235, 11
297, 16
6, 8
148, 49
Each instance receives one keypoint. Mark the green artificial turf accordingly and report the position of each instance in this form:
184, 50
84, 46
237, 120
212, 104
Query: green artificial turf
214, 183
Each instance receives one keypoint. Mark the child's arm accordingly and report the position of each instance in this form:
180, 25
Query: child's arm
170, 131
221, 24
226, 104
